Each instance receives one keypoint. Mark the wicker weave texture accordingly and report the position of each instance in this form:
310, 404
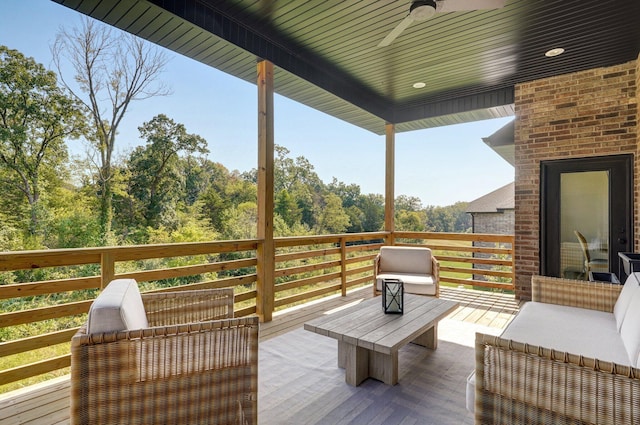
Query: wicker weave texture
172, 308
518, 383
600, 296
195, 371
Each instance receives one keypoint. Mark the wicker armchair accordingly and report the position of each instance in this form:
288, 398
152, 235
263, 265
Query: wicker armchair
522, 383
193, 364
415, 266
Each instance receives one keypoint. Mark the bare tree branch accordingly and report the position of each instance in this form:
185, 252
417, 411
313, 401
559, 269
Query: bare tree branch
111, 69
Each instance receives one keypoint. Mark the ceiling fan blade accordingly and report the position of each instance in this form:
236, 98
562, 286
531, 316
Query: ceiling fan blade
396, 31
461, 5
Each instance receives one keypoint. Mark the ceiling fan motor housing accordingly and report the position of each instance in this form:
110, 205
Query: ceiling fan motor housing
421, 10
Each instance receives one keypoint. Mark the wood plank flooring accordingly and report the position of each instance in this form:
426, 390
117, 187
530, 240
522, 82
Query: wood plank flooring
429, 390
491, 309
300, 383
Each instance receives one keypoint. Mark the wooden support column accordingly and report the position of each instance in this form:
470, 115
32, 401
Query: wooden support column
266, 249
343, 266
389, 182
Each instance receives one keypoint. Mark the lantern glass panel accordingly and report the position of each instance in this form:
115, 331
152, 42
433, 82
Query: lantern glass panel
393, 296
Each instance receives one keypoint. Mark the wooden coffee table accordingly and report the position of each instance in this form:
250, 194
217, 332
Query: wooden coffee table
369, 339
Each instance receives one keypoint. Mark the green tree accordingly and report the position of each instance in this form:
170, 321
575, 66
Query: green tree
348, 193
225, 191
215, 208
9, 237
356, 216
74, 224
409, 214
239, 190
452, 218
372, 207
287, 208
289, 172
110, 71
332, 217
408, 203
196, 171
35, 118
155, 180
243, 222
409, 221
299, 179
308, 201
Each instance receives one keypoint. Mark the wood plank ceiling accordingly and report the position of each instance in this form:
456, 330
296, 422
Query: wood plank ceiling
327, 56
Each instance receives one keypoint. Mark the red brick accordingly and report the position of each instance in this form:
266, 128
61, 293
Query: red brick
594, 112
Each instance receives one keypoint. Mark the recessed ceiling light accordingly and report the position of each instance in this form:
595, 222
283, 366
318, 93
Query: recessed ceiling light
419, 85
554, 52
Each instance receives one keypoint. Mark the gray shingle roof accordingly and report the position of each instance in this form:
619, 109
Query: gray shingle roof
498, 200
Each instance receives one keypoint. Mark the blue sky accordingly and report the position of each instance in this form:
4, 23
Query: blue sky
440, 166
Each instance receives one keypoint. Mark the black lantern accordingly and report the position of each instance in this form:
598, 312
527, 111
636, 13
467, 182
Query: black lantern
393, 296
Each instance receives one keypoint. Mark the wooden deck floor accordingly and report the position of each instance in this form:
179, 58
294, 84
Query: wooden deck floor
483, 308
48, 403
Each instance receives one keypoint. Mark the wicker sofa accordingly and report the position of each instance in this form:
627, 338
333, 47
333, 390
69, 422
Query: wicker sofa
164, 358
418, 269
570, 356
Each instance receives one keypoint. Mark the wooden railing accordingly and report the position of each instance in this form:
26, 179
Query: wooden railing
45, 295
480, 260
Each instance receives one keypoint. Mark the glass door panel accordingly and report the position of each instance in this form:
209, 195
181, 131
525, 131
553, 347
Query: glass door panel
584, 223
589, 199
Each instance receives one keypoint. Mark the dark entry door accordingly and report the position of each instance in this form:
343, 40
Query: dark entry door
586, 212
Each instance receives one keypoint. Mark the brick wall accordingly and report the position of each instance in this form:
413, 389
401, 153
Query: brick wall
499, 223
589, 113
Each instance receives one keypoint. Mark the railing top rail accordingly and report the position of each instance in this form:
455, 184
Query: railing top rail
285, 241
480, 237
20, 260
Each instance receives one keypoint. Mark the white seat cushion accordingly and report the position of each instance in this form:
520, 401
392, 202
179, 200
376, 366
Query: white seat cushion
591, 333
118, 308
631, 286
412, 283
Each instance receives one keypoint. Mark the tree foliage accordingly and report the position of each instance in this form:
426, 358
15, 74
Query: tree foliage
286, 206
452, 218
36, 117
167, 189
332, 216
111, 69
156, 179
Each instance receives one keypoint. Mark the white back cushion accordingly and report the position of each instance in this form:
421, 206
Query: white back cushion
118, 307
631, 286
630, 330
405, 259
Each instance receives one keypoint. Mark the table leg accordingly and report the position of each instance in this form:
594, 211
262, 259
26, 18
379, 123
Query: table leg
384, 367
355, 361
428, 339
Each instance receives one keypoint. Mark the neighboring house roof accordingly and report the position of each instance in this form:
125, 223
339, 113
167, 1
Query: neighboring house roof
498, 200
502, 142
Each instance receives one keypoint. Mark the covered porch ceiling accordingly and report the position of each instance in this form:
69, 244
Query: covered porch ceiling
327, 56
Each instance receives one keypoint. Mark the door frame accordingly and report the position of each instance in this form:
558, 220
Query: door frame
620, 168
